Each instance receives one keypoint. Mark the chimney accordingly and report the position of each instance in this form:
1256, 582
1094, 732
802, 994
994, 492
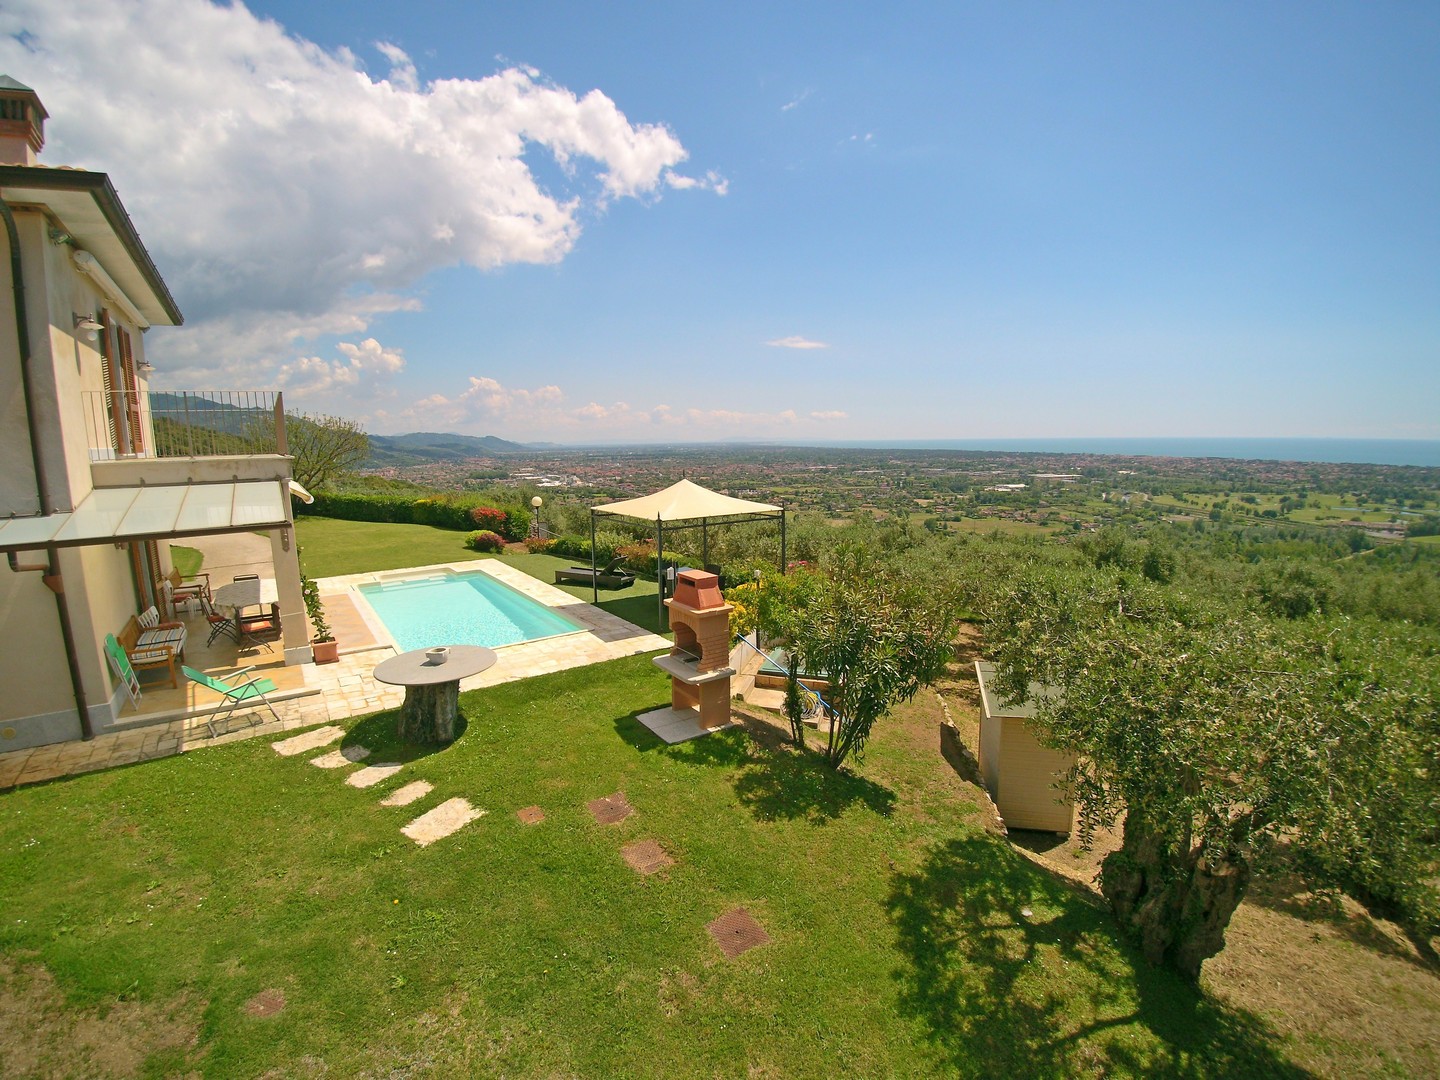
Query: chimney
22, 123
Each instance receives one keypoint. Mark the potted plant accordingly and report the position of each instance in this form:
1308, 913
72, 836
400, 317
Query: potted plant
323, 646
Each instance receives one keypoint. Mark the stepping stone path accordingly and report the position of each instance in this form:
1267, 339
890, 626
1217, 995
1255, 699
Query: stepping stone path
646, 856
450, 816
736, 931
372, 774
308, 740
416, 789
338, 759
610, 809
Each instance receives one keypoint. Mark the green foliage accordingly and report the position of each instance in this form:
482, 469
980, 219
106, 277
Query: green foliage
1218, 731
513, 524
315, 610
444, 511
794, 707
1429, 525
1293, 590
608, 543
324, 448
877, 638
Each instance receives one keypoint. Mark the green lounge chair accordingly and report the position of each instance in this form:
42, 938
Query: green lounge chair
250, 691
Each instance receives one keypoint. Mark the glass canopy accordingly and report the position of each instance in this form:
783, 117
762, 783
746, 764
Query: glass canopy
113, 515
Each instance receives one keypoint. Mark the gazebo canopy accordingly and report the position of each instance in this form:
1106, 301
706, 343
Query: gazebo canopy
685, 501
682, 501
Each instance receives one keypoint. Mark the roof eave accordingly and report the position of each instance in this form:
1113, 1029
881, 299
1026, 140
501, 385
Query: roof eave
97, 185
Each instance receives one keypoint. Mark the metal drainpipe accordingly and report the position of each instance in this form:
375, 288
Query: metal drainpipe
53, 581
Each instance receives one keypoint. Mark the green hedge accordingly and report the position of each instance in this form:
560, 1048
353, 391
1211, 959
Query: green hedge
441, 511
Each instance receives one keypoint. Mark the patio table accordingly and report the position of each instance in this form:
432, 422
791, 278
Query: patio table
237, 596
432, 691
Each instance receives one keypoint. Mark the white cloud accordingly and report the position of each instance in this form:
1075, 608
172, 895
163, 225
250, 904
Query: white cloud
796, 100
712, 181
487, 407
280, 186
795, 341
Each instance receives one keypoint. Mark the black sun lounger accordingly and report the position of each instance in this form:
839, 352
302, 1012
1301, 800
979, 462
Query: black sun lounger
612, 576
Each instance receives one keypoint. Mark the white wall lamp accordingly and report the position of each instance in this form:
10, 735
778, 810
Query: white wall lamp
87, 323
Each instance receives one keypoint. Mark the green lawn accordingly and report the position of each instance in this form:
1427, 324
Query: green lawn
330, 548
905, 940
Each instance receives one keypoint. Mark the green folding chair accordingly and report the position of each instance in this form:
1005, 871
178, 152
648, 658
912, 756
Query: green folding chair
120, 664
251, 691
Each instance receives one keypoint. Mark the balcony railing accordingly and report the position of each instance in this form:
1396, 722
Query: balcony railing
184, 423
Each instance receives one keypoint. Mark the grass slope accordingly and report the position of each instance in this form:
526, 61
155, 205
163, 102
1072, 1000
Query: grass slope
183, 887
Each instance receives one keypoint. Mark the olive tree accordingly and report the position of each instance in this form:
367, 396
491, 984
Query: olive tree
1215, 731
324, 447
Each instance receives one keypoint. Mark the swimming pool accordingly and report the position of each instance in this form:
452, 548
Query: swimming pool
460, 609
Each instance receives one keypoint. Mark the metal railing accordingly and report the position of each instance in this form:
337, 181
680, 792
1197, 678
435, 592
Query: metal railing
183, 423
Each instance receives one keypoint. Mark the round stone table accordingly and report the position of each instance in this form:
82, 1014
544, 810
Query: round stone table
432, 691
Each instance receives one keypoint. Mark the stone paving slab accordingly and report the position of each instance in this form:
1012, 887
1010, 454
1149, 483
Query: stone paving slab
530, 815
679, 725
338, 759
416, 789
309, 740
450, 816
371, 775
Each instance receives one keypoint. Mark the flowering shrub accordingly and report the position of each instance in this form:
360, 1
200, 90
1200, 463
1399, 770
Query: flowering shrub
485, 540
534, 544
746, 615
639, 556
487, 517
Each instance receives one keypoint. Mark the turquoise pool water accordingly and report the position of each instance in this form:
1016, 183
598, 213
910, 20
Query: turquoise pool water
461, 609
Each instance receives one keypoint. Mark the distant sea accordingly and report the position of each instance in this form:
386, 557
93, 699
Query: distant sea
1351, 451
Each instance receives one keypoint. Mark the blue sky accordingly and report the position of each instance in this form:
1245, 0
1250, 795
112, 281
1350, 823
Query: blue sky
999, 220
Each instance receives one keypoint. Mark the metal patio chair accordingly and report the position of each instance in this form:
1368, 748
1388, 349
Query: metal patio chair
251, 691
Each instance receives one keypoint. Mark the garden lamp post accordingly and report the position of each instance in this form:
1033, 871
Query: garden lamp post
535, 505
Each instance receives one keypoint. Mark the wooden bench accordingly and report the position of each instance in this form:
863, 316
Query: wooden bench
156, 648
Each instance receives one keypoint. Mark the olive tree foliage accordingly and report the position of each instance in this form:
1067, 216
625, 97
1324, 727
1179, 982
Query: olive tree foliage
877, 634
324, 447
1216, 731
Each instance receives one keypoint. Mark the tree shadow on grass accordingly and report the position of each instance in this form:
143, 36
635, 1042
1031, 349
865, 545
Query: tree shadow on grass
773, 779
727, 748
1055, 992
786, 782
1281, 888
377, 733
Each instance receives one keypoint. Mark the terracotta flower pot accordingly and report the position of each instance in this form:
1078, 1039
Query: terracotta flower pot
325, 652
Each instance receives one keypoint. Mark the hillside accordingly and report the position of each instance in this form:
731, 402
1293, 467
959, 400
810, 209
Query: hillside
418, 447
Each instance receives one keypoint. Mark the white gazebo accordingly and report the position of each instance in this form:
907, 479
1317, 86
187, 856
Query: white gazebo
693, 507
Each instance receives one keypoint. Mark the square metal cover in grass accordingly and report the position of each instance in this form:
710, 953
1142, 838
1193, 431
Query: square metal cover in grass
736, 931
610, 809
646, 856
530, 815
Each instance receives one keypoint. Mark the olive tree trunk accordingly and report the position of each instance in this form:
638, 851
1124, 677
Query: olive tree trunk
1176, 898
